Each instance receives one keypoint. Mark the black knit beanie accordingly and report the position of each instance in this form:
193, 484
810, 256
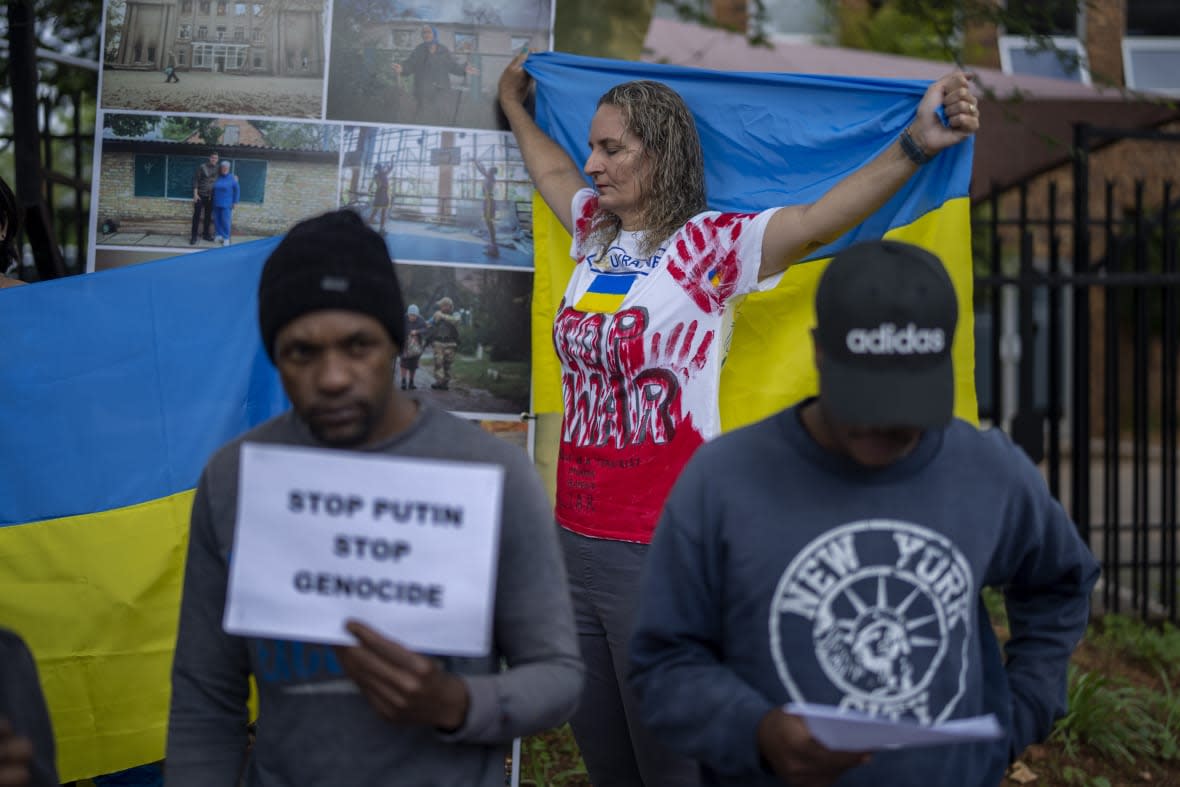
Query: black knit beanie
333, 261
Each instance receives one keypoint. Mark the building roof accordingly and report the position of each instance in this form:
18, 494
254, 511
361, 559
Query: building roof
1027, 121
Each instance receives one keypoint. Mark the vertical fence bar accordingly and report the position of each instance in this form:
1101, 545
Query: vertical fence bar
1053, 410
1140, 547
1026, 424
1025, 427
1169, 350
1112, 556
46, 162
994, 290
1079, 432
81, 215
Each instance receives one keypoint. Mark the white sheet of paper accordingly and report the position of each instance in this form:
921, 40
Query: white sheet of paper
414, 540
848, 730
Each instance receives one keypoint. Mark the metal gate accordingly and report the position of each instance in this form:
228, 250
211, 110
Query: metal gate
1077, 345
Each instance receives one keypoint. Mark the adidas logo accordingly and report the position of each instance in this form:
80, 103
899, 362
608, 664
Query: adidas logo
888, 340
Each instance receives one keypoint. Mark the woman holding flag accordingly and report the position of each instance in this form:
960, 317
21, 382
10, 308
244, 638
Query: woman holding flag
641, 335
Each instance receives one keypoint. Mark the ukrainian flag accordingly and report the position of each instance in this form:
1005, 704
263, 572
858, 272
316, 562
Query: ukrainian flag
115, 388
606, 292
768, 140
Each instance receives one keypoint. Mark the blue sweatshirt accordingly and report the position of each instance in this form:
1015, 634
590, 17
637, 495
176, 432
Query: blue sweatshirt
781, 572
226, 191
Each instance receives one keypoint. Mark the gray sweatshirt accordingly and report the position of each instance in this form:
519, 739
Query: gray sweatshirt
314, 727
23, 706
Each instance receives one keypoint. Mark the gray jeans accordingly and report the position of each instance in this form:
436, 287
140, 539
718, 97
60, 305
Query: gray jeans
616, 747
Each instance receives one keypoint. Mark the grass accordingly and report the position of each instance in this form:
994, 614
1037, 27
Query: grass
552, 760
1123, 722
1114, 719
1156, 647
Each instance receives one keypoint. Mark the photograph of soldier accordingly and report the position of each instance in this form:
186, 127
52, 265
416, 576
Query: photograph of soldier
475, 356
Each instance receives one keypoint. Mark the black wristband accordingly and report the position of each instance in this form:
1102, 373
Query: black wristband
912, 150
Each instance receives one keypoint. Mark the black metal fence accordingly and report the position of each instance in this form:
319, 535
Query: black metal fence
53, 97
1078, 336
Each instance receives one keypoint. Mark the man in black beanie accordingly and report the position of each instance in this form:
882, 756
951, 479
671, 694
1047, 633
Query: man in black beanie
330, 314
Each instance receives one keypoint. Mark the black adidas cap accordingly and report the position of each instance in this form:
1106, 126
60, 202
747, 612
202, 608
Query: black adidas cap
886, 314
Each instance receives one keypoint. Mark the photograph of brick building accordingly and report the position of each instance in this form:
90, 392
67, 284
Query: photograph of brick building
285, 172
437, 64
219, 56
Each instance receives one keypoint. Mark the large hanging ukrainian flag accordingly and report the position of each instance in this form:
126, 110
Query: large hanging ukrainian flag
115, 388
768, 140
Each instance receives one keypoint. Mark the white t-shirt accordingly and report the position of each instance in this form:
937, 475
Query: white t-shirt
641, 343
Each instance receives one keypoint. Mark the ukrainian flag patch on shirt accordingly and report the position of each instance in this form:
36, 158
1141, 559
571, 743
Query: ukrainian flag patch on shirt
606, 292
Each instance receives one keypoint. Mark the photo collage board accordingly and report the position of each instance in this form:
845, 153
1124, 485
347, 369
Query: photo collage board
285, 109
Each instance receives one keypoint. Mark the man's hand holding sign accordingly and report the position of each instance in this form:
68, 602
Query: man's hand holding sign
401, 685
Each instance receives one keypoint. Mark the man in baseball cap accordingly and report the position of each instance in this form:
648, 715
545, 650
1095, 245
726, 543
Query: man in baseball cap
330, 315
885, 320
886, 315
833, 554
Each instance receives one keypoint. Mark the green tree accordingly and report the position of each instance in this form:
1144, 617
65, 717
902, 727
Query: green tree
177, 129
934, 28
298, 136
131, 126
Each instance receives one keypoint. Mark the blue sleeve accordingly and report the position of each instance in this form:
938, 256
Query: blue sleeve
1046, 573
691, 700
237, 190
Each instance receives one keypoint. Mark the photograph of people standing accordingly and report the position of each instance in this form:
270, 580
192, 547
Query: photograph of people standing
170, 68
203, 179
226, 194
380, 195
489, 207
431, 65
412, 350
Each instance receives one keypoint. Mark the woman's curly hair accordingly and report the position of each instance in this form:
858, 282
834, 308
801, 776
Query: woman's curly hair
674, 189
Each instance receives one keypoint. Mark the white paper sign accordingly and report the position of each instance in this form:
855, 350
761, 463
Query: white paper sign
407, 546
848, 730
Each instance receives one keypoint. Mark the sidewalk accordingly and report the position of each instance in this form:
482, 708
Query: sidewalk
163, 234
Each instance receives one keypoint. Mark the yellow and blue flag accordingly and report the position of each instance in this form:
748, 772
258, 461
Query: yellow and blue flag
606, 292
768, 140
115, 388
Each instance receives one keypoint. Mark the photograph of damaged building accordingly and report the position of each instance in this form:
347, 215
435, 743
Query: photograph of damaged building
218, 56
